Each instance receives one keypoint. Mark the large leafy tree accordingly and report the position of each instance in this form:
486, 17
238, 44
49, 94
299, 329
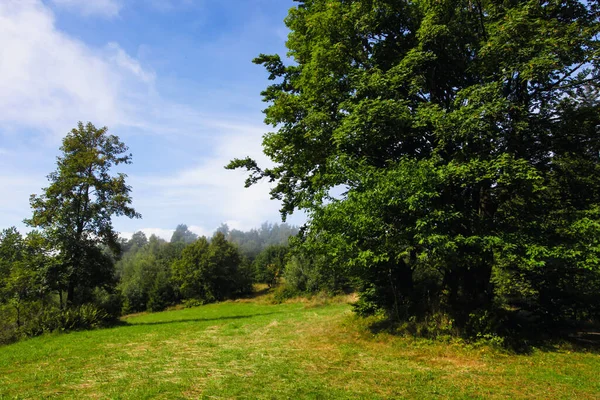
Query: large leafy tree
464, 136
75, 211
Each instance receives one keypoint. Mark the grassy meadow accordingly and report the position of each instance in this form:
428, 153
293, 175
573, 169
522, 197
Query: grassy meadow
298, 350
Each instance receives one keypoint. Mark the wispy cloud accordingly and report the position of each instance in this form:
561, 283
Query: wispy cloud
207, 189
104, 8
49, 80
123, 60
170, 5
14, 202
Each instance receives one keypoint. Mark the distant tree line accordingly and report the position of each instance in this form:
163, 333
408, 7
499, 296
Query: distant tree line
153, 273
72, 271
146, 274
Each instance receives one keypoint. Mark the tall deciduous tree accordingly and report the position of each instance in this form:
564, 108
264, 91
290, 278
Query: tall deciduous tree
76, 209
465, 135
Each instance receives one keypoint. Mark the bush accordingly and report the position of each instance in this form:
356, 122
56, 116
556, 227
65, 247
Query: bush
111, 303
191, 303
284, 292
269, 264
161, 295
38, 318
302, 275
8, 327
53, 319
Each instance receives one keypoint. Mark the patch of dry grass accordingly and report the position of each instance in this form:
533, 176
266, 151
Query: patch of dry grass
311, 348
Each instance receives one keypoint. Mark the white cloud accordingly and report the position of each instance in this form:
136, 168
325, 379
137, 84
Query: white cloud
49, 81
201, 231
105, 8
216, 194
126, 62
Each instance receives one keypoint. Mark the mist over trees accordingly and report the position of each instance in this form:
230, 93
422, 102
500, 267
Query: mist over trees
154, 273
252, 242
183, 235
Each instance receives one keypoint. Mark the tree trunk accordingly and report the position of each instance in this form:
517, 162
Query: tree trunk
18, 309
71, 293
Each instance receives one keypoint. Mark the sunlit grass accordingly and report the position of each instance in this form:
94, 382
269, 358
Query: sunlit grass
250, 349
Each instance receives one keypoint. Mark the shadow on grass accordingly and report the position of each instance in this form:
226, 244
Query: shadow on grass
186, 320
518, 337
256, 293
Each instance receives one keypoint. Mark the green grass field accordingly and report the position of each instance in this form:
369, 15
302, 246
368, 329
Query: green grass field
249, 349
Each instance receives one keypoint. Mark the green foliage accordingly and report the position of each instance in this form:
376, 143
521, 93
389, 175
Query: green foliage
161, 294
137, 241
75, 210
52, 319
111, 303
464, 136
85, 316
210, 272
269, 264
314, 267
252, 242
27, 306
183, 234
25, 271
145, 275
40, 317
285, 292
190, 272
302, 275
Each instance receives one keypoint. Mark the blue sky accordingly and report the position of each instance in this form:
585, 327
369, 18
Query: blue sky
172, 78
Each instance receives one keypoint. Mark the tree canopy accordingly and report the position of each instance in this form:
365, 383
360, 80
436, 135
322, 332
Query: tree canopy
464, 137
183, 234
75, 211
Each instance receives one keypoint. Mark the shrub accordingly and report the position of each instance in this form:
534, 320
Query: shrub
302, 275
284, 292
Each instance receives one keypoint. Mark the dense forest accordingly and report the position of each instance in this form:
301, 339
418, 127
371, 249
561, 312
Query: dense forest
464, 137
